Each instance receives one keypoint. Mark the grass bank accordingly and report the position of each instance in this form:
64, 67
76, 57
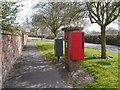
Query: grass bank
105, 71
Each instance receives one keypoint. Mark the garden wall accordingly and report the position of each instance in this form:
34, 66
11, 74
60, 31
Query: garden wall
10, 48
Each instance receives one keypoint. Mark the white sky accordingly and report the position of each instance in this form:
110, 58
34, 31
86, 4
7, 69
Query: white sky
96, 27
27, 12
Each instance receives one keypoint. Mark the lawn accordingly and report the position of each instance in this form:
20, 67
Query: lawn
105, 71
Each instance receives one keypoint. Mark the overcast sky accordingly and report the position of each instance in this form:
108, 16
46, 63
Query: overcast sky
28, 12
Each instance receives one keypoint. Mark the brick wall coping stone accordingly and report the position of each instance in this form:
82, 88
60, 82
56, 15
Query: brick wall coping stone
3, 32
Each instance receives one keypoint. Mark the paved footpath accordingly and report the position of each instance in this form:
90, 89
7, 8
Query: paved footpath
32, 71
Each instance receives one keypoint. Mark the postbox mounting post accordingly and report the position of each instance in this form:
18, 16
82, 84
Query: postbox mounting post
58, 58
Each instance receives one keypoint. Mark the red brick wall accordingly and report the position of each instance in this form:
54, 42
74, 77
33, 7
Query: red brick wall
10, 48
0, 61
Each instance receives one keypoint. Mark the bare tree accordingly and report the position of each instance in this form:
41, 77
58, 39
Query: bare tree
80, 22
35, 24
103, 13
38, 25
54, 15
42, 29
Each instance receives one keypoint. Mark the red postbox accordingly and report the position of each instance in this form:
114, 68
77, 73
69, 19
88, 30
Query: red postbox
74, 47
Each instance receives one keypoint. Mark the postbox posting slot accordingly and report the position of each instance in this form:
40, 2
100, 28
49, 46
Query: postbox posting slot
82, 40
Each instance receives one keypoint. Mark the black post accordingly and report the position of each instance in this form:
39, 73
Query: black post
58, 58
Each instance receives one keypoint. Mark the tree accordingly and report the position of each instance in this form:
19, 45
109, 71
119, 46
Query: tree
9, 11
42, 29
38, 26
53, 15
35, 24
80, 22
103, 13
0, 13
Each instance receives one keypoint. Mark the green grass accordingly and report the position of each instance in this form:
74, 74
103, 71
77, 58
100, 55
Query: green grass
105, 71
47, 49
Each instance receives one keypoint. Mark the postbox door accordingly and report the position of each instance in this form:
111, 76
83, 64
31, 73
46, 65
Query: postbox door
76, 45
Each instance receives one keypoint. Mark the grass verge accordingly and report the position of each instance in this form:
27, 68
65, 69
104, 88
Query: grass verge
105, 71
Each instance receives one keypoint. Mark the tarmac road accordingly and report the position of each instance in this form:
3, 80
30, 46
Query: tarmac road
98, 46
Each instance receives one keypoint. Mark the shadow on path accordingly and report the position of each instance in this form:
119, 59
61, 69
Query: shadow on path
32, 71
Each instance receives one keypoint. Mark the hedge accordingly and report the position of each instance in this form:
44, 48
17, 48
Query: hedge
110, 39
36, 36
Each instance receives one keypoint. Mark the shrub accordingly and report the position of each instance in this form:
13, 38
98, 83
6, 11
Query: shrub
50, 37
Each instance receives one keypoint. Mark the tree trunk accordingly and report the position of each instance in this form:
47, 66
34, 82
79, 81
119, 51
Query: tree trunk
103, 43
41, 35
55, 34
36, 33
